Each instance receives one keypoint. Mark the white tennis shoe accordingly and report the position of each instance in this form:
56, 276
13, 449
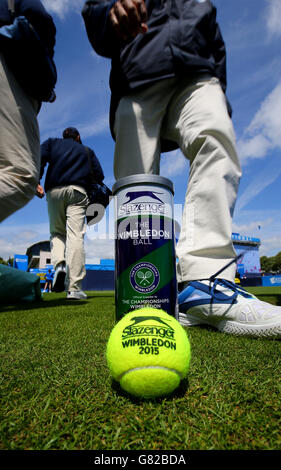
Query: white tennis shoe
59, 278
228, 308
77, 295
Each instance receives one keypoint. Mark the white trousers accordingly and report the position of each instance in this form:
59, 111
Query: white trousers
193, 114
67, 209
19, 144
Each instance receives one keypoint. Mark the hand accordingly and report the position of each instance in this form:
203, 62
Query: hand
40, 191
128, 18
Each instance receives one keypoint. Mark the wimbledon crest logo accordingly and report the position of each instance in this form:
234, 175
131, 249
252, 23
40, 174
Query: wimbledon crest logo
144, 277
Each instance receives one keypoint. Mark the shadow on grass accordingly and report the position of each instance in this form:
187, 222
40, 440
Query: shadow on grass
271, 299
8, 306
178, 393
271, 296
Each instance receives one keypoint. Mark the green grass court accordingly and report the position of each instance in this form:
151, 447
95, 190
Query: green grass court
57, 394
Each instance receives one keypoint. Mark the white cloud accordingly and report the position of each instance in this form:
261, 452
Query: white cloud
264, 224
98, 249
255, 147
16, 239
252, 228
270, 246
83, 100
99, 239
62, 7
259, 182
98, 126
173, 164
264, 132
267, 119
273, 15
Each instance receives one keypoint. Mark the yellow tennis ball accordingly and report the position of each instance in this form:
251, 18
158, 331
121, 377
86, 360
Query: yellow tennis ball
148, 353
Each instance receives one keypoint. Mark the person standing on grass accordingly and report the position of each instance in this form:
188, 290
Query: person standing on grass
19, 132
67, 179
168, 84
49, 281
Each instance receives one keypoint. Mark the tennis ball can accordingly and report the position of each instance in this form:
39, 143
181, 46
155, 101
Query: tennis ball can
145, 259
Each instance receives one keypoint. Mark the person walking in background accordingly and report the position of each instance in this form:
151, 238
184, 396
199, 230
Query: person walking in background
19, 132
67, 179
168, 84
49, 281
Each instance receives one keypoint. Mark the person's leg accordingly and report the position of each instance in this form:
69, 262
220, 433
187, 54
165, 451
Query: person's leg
203, 129
57, 203
19, 144
56, 199
137, 128
75, 229
198, 120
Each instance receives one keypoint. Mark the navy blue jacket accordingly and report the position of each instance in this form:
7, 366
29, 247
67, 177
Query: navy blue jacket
183, 38
68, 164
36, 14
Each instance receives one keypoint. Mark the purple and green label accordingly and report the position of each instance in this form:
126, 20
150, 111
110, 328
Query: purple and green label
145, 272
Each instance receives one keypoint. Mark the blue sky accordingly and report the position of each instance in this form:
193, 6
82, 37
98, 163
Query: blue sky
252, 33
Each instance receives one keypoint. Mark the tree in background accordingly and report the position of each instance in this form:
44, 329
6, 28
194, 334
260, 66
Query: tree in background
271, 264
10, 261
277, 262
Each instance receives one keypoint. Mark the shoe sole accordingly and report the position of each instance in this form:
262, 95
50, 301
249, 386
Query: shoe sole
234, 328
59, 283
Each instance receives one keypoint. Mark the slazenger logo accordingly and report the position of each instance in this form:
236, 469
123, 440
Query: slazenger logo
163, 330
132, 206
132, 195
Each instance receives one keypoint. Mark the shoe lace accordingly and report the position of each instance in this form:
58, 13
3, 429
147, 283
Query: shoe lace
215, 281
224, 283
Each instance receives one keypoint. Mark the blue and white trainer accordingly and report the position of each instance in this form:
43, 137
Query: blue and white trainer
228, 308
77, 295
59, 278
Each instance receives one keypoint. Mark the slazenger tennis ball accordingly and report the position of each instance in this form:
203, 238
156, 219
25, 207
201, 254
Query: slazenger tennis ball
148, 353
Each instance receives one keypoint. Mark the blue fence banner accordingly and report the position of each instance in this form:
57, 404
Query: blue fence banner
274, 280
20, 262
